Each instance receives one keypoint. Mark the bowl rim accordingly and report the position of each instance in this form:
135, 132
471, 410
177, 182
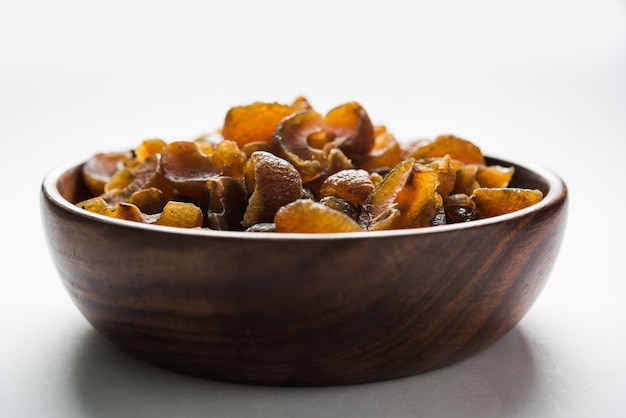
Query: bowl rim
557, 191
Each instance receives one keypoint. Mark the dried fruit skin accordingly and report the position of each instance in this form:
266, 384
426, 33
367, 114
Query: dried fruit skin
419, 202
227, 203
350, 128
188, 169
351, 185
383, 197
386, 153
340, 205
307, 216
149, 147
406, 198
120, 179
445, 173
181, 215
466, 180
144, 175
494, 176
149, 201
99, 169
457, 148
126, 211
499, 201
94, 204
255, 122
273, 183
290, 142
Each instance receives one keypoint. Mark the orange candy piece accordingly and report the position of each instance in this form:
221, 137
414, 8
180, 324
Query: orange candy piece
98, 170
406, 198
180, 215
498, 201
457, 148
307, 216
349, 127
385, 155
291, 143
256, 122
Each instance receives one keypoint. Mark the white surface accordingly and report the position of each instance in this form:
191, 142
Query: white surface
544, 80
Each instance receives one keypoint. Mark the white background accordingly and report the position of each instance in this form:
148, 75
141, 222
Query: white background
542, 80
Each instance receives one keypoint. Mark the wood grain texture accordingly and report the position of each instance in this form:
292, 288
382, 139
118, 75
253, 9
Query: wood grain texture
314, 310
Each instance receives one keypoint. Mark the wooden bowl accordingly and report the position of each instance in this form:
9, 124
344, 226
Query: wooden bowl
304, 309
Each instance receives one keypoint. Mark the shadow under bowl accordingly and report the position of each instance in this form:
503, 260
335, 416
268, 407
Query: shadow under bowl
304, 309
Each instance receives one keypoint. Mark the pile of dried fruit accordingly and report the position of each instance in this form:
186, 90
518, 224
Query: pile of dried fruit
288, 168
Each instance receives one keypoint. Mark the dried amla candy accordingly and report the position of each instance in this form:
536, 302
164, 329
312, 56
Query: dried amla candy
227, 203
149, 201
341, 205
187, 169
126, 211
457, 148
406, 198
255, 122
144, 175
351, 185
446, 170
180, 215
494, 176
98, 170
384, 155
349, 127
307, 216
272, 183
290, 142
149, 147
498, 201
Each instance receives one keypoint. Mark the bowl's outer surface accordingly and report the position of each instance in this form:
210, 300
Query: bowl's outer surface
304, 309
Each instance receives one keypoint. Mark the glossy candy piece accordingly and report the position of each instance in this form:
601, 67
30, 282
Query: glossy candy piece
227, 203
126, 211
145, 174
95, 204
465, 182
188, 169
351, 185
272, 183
180, 215
290, 142
99, 169
307, 216
406, 198
498, 201
120, 179
349, 127
494, 176
385, 154
457, 148
149, 147
446, 173
255, 122
149, 201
